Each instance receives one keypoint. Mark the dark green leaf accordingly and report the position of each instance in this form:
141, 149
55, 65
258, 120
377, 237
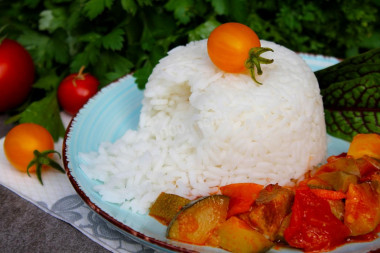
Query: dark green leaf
353, 106
142, 75
90, 37
220, 6
58, 41
182, 9
238, 9
346, 124
48, 82
32, 3
53, 19
46, 113
350, 68
129, 5
114, 65
95, 7
35, 43
114, 40
89, 56
359, 93
61, 1
203, 30
122, 66
74, 18
44, 49
145, 2
372, 42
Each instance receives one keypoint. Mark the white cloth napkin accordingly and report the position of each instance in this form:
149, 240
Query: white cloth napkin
58, 198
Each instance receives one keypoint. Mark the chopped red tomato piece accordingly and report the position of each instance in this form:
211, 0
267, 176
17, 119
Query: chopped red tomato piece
313, 226
328, 194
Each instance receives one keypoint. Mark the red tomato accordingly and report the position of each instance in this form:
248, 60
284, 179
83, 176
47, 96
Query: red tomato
75, 90
16, 74
228, 46
313, 227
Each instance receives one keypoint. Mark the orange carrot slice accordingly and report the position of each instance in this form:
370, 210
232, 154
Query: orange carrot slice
242, 196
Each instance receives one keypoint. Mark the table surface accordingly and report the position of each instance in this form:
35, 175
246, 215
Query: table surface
26, 228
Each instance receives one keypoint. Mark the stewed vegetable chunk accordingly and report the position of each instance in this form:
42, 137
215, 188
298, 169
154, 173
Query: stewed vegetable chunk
271, 207
237, 236
362, 213
196, 221
166, 206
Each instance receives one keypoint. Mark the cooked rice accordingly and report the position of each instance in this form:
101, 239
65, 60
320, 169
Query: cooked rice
201, 128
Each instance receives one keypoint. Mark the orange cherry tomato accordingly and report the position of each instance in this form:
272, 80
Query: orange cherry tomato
22, 140
228, 46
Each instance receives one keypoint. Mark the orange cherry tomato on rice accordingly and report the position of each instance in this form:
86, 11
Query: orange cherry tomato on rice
22, 140
229, 44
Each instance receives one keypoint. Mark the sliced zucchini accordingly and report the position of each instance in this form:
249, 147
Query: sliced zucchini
166, 206
339, 180
196, 221
236, 236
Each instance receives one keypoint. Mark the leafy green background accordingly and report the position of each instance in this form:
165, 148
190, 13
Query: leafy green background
115, 37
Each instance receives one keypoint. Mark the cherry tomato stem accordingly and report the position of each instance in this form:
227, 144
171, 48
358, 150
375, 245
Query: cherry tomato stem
234, 47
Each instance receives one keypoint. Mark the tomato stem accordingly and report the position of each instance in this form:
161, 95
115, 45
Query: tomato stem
41, 159
79, 76
255, 59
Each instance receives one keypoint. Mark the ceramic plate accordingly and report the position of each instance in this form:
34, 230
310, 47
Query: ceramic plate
106, 117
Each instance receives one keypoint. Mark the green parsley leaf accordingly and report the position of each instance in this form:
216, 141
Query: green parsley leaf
114, 65
45, 112
48, 82
95, 7
51, 20
90, 37
203, 30
142, 75
32, 3
130, 6
114, 40
89, 56
182, 10
220, 6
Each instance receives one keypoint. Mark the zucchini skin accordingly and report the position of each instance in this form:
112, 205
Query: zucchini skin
166, 207
194, 223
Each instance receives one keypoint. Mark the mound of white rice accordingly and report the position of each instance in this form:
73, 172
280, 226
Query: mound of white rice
201, 128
